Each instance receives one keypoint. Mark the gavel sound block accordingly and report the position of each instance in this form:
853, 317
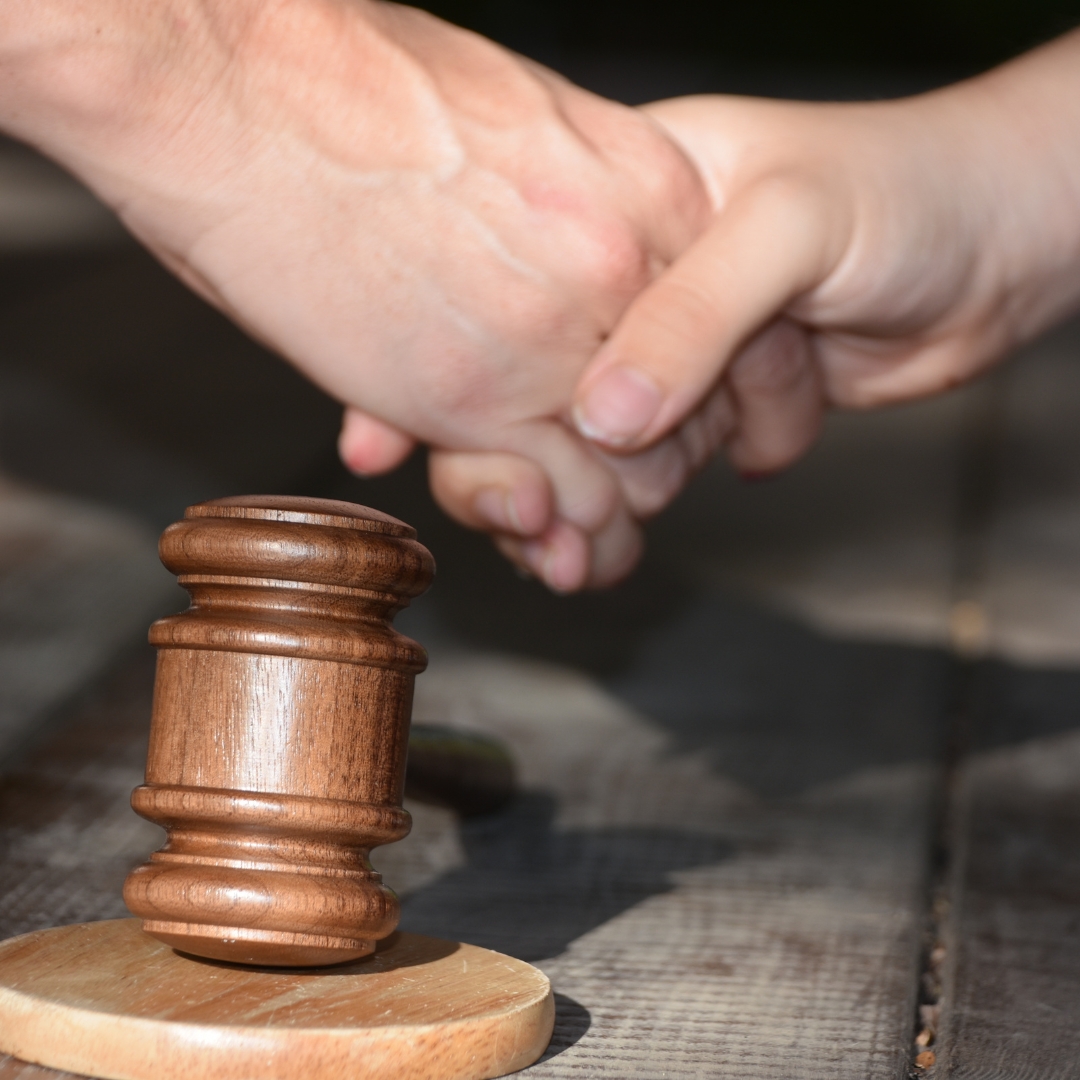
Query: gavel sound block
276, 763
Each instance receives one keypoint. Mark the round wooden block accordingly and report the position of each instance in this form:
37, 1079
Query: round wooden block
108, 1000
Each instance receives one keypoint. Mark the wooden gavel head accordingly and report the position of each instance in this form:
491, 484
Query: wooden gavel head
279, 731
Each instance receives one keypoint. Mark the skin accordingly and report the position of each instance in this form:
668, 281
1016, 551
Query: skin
868, 254
857, 255
435, 230
574, 304
909, 244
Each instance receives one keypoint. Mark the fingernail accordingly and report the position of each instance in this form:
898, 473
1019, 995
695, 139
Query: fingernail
512, 514
543, 559
535, 554
493, 505
551, 572
618, 408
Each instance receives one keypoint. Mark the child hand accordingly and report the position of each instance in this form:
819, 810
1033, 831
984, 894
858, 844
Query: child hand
859, 255
862, 254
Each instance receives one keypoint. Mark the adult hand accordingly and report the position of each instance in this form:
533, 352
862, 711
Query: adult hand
438, 232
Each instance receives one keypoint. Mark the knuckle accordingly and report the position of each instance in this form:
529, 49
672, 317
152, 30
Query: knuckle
614, 261
594, 506
773, 364
450, 481
652, 478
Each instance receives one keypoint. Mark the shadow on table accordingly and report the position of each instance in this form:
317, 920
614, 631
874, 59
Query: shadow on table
572, 1021
779, 706
529, 890
1014, 704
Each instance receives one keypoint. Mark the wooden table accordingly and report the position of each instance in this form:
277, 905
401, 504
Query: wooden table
758, 829
816, 767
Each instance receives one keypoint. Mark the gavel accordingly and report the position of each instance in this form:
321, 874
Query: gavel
279, 731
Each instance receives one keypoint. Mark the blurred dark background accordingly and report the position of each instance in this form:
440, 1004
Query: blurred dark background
947, 35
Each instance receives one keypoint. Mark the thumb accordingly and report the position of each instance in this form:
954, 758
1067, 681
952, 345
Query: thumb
772, 243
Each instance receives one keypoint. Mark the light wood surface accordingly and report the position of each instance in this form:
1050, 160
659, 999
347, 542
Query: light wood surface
107, 1000
279, 730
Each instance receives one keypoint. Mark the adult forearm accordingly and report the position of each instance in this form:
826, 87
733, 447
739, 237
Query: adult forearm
73, 71
128, 96
180, 113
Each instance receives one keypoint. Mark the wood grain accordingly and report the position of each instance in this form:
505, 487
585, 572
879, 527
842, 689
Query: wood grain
694, 929
1012, 993
768, 939
279, 731
107, 1000
68, 836
1011, 1003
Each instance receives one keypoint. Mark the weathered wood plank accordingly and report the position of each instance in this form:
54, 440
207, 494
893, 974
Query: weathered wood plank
735, 785
77, 583
698, 929
1011, 1004
68, 835
1031, 587
1013, 988
720, 855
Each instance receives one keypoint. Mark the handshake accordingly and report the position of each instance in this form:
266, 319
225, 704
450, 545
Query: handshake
574, 304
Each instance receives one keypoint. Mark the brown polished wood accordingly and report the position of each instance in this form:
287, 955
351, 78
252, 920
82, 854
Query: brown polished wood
279, 731
107, 1000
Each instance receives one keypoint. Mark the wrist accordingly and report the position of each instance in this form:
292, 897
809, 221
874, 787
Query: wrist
124, 94
1020, 127
70, 68
159, 107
